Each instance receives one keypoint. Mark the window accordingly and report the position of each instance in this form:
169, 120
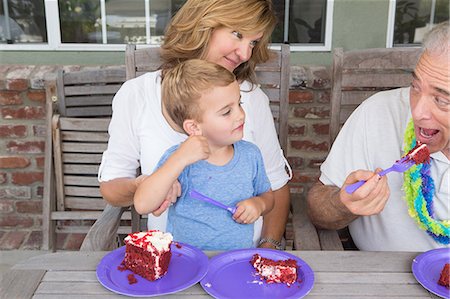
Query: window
414, 18
110, 24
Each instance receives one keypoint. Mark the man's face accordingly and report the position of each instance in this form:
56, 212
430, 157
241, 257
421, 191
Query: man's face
430, 102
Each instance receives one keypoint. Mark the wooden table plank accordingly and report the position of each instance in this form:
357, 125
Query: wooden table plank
20, 283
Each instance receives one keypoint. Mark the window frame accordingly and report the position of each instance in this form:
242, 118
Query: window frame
54, 35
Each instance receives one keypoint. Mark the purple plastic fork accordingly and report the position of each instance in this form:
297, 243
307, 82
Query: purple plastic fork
401, 165
197, 195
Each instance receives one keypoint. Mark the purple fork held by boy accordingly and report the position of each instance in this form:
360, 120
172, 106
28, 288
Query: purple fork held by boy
199, 196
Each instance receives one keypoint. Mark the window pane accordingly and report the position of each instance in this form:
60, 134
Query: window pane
307, 21
80, 21
22, 21
412, 19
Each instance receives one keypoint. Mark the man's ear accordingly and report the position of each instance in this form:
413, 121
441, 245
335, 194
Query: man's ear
191, 127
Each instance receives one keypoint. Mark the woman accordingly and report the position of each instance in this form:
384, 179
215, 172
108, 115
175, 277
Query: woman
232, 33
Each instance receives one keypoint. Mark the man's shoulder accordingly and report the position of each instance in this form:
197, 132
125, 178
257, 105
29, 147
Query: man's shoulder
388, 98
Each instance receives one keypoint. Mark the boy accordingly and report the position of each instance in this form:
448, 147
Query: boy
202, 99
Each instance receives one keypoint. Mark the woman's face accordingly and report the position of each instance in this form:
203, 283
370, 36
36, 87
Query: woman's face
229, 48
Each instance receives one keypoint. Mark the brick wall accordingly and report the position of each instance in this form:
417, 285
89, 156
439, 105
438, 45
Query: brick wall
22, 132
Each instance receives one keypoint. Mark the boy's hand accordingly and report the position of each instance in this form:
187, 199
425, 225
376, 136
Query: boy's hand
171, 198
248, 210
193, 149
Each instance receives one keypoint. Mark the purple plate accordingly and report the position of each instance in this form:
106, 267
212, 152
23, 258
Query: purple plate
231, 275
427, 268
187, 266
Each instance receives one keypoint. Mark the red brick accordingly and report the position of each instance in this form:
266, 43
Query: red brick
10, 98
74, 241
311, 146
296, 129
16, 84
6, 206
14, 162
36, 95
300, 177
15, 192
61, 240
24, 113
40, 162
33, 242
321, 129
295, 162
27, 178
3, 177
315, 163
26, 147
323, 97
13, 240
13, 131
39, 191
29, 206
300, 96
39, 130
15, 221
312, 112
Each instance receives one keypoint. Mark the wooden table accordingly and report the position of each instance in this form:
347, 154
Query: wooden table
338, 274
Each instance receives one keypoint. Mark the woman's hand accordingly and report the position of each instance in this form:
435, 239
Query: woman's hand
171, 198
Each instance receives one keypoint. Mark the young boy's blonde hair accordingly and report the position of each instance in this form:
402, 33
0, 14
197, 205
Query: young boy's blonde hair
183, 85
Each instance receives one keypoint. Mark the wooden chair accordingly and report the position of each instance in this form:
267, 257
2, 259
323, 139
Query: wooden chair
358, 74
78, 111
274, 79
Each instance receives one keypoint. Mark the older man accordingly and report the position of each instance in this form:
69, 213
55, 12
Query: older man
380, 214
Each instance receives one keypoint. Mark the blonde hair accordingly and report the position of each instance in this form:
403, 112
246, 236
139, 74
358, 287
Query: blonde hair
189, 32
183, 85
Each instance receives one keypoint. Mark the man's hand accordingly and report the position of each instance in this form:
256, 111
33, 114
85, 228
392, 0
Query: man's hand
171, 198
370, 198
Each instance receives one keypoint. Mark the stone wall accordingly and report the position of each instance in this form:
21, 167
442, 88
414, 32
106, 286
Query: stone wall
22, 132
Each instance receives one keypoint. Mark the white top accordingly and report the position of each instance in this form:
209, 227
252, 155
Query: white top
373, 137
139, 135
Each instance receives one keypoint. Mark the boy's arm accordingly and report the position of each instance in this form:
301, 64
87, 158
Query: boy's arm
152, 191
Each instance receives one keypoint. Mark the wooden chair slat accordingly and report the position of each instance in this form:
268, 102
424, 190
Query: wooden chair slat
84, 137
81, 203
82, 191
90, 90
77, 124
90, 100
102, 76
80, 169
77, 180
385, 80
87, 158
73, 147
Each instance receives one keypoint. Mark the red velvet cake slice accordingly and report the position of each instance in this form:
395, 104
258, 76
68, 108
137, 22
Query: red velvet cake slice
148, 253
444, 280
419, 154
275, 271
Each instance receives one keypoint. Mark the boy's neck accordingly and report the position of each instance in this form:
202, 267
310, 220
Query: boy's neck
220, 155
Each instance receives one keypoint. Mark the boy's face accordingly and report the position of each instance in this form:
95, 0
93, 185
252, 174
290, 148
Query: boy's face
222, 115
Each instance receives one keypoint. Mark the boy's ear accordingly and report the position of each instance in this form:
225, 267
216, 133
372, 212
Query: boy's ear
191, 127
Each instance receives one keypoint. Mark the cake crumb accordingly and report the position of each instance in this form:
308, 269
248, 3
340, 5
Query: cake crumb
132, 279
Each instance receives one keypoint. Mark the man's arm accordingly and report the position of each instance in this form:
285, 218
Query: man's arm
274, 223
332, 208
325, 208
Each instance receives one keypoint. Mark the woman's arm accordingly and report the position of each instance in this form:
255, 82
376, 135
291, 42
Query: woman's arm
274, 223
